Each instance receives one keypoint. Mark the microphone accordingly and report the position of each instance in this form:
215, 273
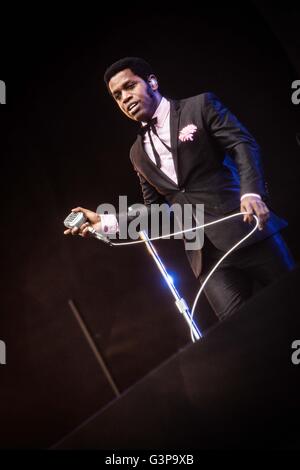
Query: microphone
77, 219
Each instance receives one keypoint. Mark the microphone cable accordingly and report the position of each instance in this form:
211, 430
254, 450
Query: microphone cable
234, 247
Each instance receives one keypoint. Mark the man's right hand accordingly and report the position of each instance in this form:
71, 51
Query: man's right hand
93, 220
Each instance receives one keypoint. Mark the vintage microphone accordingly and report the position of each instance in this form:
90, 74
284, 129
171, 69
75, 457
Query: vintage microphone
76, 219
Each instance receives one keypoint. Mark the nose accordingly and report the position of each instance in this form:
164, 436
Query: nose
126, 95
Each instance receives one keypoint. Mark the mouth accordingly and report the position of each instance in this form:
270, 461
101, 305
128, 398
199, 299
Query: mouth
133, 107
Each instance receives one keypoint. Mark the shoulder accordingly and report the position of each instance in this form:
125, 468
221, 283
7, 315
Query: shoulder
203, 99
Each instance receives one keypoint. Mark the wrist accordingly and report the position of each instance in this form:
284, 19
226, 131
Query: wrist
250, 195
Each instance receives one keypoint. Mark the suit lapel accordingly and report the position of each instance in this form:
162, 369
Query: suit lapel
174, 125
144, 162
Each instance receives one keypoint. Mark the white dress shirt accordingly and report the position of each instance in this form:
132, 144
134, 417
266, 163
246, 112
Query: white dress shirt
162, 114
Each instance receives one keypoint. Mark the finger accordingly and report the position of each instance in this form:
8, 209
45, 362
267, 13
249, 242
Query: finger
78, 209
248, 208
249, 216
262, 212
244, 208
262, 222
84, 229
266, 213
83, 226
74, 231
66, 232
258, 211
85, 232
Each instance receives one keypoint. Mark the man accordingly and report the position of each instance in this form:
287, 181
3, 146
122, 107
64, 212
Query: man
194, 151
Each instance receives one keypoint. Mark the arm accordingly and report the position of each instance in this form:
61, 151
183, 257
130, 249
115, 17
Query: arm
108, 223
150, 196
234, 139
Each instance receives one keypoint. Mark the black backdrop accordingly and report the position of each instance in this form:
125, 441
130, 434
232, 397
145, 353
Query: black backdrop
64, 143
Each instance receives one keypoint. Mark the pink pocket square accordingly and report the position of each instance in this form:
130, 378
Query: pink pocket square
187, 133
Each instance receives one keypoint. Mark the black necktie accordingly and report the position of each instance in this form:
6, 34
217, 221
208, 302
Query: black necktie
150, 126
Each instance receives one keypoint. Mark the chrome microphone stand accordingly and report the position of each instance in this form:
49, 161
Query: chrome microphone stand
179, 301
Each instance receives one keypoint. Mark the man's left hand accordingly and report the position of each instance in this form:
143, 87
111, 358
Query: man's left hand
254, 205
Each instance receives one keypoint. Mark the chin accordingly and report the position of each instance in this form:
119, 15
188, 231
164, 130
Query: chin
139, 117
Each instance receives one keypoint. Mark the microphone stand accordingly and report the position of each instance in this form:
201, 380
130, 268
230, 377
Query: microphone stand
179, 301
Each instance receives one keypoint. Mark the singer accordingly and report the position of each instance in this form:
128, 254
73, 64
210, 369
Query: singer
195, 151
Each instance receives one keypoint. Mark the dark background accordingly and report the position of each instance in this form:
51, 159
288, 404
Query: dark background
64, 143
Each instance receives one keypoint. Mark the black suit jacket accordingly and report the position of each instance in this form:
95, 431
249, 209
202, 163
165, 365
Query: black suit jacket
220, 164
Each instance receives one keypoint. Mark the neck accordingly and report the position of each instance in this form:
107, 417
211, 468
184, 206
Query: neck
156, 99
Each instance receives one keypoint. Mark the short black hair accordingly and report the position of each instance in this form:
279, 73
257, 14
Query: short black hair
137, 65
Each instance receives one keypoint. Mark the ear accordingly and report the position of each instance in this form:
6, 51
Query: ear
152, 80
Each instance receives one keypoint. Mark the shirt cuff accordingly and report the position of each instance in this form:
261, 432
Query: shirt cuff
109, 224
250, 194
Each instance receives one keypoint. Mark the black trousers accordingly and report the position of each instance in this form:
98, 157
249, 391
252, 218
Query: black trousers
234, 280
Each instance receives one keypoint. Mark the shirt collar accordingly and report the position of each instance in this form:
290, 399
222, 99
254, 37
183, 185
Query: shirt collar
161, 113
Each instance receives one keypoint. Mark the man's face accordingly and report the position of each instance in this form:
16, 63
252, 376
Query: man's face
133, 95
